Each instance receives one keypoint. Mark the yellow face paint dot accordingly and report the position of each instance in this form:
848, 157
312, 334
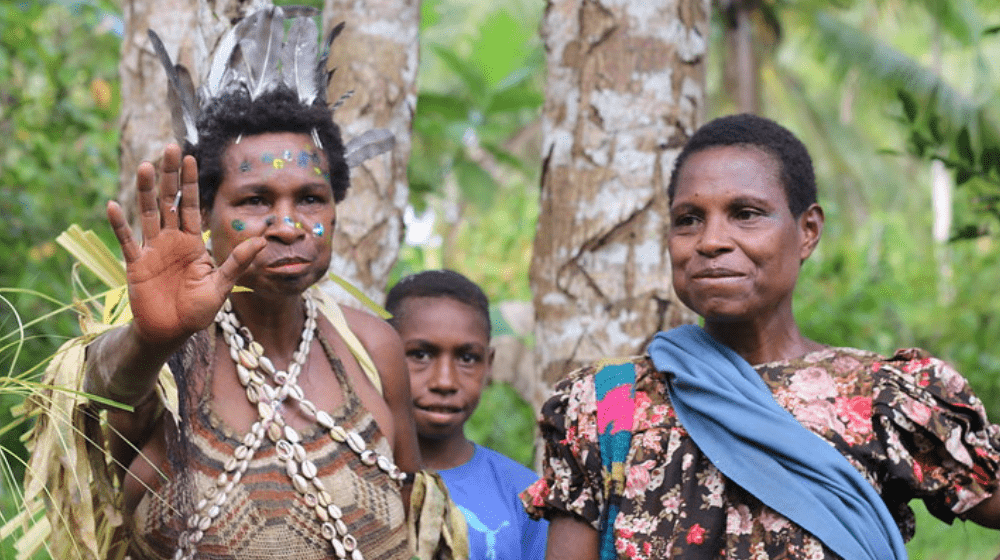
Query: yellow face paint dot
279, 163
318, 171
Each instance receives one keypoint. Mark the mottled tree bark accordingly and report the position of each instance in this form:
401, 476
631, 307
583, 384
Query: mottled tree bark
376, 57
189, 30
625, 90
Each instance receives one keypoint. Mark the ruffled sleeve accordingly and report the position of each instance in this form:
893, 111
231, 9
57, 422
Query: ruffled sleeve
571, 479
938, 440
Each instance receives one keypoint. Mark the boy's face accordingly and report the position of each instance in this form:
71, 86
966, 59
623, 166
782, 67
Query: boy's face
449, 357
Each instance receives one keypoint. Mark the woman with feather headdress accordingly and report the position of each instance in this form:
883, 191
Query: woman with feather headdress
292, 435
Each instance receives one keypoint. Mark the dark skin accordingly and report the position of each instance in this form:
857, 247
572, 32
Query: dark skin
736, 250
448, 354
175, 290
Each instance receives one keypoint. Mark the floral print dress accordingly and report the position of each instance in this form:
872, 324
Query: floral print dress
910, 424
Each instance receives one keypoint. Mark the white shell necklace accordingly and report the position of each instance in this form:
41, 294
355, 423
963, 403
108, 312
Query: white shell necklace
253, 370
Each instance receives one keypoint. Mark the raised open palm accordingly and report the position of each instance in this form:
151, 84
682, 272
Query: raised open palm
174, 287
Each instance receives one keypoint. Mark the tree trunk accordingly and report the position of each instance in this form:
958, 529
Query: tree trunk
625, 90
189, 30
742, 61
376, 57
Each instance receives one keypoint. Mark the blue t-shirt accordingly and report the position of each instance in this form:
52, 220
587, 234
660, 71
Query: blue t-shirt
486, 490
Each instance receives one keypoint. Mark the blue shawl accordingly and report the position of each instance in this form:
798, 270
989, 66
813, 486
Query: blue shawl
733, 418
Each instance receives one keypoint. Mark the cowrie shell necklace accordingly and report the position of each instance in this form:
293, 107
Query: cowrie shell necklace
254, 371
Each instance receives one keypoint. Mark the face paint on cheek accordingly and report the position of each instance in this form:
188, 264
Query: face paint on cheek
238, 225
318, 230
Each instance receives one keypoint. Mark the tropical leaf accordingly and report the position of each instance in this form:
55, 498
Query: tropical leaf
894, 68
960, 18
92, 253
471, 76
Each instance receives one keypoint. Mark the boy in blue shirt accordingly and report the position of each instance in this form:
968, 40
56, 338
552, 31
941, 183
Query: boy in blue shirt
444, 321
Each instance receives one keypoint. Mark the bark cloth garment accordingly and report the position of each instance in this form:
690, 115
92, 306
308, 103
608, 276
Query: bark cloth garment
265, 517
910, 424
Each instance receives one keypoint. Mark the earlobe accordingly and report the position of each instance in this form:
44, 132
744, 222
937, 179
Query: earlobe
811, 226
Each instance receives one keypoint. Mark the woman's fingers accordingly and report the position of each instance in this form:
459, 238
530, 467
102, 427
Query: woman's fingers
190, 209
239, 259
149, 216
169, 186
116, 217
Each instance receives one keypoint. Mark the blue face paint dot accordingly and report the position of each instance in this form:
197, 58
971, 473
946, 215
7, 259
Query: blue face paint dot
269, 221
267, 158
303, 160
288, 221
238, 225
318, 230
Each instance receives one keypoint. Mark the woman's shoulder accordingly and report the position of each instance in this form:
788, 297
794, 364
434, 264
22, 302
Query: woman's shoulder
641, 365
580, 384
915, 369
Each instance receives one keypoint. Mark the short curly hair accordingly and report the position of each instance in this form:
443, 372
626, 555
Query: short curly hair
437, 283
796, 172
234, 115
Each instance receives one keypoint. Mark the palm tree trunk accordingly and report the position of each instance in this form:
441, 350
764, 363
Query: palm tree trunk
376, 57
625, 90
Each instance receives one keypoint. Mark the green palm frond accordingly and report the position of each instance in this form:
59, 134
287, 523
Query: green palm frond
895, 70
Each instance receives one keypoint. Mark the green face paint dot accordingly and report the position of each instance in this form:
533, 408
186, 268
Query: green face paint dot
238, 225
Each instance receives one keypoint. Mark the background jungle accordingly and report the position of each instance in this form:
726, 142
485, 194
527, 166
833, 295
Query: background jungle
876, 88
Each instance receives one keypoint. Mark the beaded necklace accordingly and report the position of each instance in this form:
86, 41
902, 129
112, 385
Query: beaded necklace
254, 371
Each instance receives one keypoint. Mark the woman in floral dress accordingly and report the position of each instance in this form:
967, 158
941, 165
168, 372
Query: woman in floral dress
720, 457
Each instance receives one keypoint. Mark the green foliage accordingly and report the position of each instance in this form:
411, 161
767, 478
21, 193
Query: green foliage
961, 541
463, 128
59, 102
474, 161
504, 422
974, 163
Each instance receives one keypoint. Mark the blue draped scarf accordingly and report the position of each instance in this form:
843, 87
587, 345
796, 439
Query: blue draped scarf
733, 418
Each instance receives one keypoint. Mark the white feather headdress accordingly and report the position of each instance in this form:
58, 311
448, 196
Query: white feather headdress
256, 56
